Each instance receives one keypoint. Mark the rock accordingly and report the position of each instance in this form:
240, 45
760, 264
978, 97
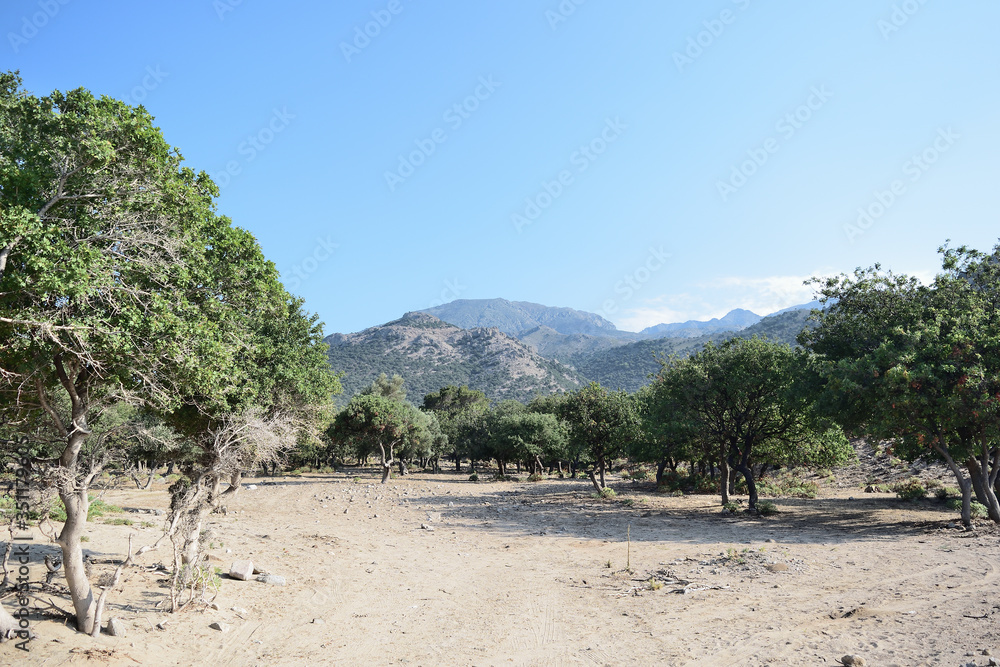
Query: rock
780, 567
994, 662
162, 625
116, 628
214, 606
159, 512
221, 627
251, 487
274, 579
854, 661
770, 540
318, 621
241, 569
426, 527
240, 610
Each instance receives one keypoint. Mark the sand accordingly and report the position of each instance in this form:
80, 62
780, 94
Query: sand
432, 569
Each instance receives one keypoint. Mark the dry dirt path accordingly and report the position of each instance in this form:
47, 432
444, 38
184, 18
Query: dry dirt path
535, 574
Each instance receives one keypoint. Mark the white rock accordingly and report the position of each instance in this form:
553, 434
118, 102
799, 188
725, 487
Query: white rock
241, 569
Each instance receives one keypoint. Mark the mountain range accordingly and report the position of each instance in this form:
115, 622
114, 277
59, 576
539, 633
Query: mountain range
517, 349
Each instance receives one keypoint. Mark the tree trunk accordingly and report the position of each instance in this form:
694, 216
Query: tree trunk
724, 481
386, 462
84, 604
600, 463
977, 485
593, 479
660, 469
402, 467
751, 485
985, 472
964, 484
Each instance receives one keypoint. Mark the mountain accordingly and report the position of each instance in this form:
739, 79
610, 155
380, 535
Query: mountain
631, 366
429, 354
804, 306
515, 318
734, 320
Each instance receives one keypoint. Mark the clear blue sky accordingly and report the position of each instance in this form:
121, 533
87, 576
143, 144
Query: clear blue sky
828, 101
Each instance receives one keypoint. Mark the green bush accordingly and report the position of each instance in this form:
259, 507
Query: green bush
535, 477
766, 508
474, 477
979, 511
607, 493
911, 489
731, 507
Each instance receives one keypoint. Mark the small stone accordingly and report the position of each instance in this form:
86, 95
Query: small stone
274, 579
318, 621
240, 610
251, 487
854, 661
993, 662
986, 651
159, 512
214, 606
116, 628
241, 569
426, 527
770, 540
777, 567
221, 627
162, 625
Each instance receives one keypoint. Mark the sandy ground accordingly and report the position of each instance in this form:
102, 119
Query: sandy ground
536, 574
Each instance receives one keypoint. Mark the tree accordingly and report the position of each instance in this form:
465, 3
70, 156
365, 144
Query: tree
743, 398
920, 365
100, 226
455, 406
375, 422
119, 283
602, 424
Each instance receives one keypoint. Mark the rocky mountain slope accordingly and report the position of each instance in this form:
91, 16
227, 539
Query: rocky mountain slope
430, 354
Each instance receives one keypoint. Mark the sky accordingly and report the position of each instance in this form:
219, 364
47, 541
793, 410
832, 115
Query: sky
649, 160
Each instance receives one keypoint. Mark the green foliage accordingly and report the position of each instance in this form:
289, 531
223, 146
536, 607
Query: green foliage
607, 493
474, 477
911, 489
766, 508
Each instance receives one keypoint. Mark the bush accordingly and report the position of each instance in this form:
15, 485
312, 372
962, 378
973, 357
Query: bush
474, 477
607, 493
731, 507
766, 508
979, 510
911, 489
535, 477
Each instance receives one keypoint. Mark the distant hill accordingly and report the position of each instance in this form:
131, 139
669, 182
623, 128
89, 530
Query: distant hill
630, 366
734, 320
430, 354
515, 318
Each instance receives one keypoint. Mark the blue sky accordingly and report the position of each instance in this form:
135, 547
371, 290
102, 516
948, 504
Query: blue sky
650, 161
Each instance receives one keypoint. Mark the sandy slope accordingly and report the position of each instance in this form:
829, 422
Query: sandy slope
518, 574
